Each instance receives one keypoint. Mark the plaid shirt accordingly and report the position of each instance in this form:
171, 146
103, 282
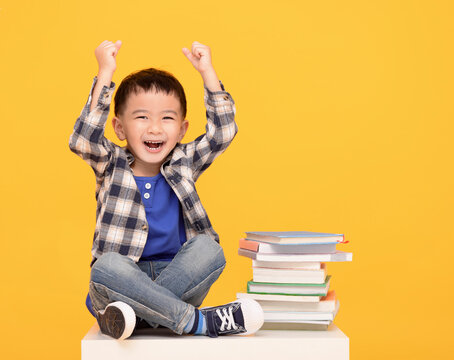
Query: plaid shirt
121, 224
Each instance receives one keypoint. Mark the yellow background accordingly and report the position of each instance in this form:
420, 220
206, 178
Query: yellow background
345, 118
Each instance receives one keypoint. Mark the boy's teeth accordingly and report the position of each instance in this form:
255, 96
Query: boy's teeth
158, 143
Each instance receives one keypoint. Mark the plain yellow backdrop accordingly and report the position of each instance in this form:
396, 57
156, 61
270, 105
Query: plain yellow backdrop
345, 118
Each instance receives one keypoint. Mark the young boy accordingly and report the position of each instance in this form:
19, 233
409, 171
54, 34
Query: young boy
155, 253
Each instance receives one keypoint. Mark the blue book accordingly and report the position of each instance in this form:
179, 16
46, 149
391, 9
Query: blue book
294, 237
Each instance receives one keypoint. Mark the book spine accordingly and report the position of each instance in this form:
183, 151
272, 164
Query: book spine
249, 245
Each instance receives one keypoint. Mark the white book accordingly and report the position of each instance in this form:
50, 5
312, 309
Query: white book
271, 248
326, 304
293, 325
321, 322
289, 276
287, 264
283, 316
337, 256
299, 298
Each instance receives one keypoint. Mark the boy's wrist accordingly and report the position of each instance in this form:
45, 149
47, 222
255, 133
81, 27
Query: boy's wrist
211, 80
105, 74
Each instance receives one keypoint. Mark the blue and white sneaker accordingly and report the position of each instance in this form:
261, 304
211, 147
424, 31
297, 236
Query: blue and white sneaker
117, 320
239, 317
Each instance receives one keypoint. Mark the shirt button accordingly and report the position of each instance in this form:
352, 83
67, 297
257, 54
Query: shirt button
147, 186
226, 97
144, 227
146, 195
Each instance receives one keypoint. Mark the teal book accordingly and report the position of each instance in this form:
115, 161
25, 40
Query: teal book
294, 237
254, 287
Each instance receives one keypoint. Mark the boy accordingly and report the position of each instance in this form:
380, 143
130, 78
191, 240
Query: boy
155, 253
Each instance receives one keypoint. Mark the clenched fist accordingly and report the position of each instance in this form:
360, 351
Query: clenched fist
106, 53
199, 56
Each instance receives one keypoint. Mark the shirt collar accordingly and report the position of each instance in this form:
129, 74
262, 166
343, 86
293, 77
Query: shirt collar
131, 158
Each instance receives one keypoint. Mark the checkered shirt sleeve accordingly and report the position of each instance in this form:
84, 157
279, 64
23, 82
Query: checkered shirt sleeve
220, 128
88, 140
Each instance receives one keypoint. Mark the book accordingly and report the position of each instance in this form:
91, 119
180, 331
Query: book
287, 264
283, 316
270, 248
294, 237
335, 257
325, 322
326, 304
279, 297
307, 325
289, 288
289, 275
290, 280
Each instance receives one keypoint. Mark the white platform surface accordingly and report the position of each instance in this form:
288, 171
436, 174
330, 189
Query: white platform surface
332, 344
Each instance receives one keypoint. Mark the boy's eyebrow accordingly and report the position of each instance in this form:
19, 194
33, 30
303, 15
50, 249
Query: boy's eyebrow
163, 111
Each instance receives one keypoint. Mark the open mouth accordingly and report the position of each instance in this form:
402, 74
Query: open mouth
154, 145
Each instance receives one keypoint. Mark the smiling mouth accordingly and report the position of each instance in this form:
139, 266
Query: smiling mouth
154, 145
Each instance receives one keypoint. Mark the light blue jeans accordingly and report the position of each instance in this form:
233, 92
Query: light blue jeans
160, 292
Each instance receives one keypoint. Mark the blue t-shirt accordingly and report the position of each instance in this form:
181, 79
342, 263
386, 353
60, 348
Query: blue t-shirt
166, 232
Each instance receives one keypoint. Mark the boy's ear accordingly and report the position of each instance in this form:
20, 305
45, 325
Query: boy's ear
118, 128
183, 129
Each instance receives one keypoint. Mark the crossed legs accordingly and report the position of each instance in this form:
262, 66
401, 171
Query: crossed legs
170, 299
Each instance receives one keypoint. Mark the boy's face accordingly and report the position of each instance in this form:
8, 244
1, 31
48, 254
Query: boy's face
150, 116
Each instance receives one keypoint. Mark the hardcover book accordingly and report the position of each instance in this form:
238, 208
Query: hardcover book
270, 248
335, 257
295, 237
289, 288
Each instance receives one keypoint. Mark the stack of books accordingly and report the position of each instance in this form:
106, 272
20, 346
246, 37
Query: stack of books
290, 279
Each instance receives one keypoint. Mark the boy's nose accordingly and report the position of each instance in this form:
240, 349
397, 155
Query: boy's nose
155, 127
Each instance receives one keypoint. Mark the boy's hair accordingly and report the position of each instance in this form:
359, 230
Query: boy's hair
149, 80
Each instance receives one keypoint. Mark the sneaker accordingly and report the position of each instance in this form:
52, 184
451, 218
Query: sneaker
117, 320
240, 317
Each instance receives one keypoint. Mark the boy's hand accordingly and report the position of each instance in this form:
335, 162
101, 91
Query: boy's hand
200, 58
106, 53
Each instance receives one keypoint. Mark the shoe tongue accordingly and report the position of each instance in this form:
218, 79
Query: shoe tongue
238, 316
213, 321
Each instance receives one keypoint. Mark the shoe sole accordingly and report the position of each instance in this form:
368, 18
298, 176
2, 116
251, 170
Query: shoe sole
117, 320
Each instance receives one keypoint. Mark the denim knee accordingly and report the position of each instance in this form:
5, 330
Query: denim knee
211, 250
107, 263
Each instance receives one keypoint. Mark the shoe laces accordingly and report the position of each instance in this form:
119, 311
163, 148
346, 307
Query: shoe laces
227, 318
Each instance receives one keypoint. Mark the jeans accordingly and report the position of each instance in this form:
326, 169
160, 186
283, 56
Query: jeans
160, 292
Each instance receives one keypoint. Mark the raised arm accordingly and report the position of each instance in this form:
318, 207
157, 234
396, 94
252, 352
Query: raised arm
220, 112
88, 140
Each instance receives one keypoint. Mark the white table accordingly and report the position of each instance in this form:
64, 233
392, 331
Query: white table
332, 344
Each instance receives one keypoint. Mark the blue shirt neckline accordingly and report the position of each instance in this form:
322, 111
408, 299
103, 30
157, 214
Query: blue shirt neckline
148, 178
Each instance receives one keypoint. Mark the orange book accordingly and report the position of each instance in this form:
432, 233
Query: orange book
249, 245
331, 296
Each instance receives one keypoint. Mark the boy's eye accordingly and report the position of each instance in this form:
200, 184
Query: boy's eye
167, 117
